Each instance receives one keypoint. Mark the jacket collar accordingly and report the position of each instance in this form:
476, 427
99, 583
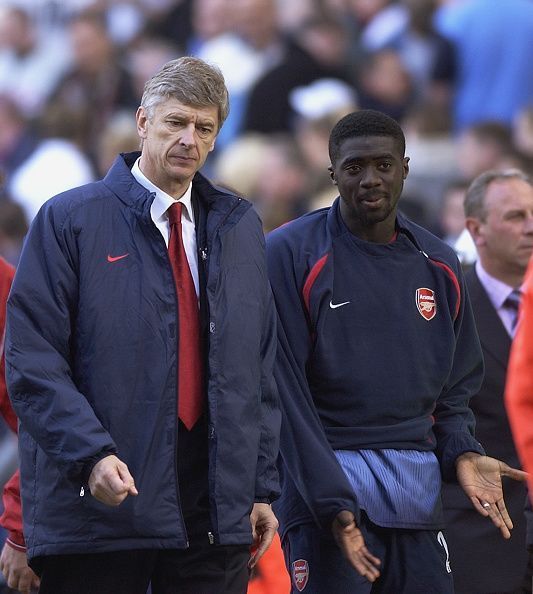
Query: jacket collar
219, 203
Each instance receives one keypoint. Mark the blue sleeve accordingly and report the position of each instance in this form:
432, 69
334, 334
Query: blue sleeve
40, 349
306, 454
267, 479
454, 420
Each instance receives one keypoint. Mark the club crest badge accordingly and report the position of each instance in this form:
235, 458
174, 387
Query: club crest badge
426, 304
300, 574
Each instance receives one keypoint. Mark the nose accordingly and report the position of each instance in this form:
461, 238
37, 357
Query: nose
370, 177
187, 135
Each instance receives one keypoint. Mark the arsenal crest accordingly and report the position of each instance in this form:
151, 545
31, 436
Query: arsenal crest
426, 304
300, 574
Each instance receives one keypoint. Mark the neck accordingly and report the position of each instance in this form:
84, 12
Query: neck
514, 278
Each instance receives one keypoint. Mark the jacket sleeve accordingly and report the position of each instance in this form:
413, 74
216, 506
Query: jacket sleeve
519, 386
11, 518
40, 348
306, 454
454, 420
267, 478
6, 410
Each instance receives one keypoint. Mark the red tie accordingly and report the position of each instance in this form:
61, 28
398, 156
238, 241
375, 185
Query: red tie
190, 372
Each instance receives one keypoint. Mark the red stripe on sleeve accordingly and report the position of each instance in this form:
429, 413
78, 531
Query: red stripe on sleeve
455, 282
310, 281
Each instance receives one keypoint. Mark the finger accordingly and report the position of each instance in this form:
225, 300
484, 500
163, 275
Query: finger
506, 518
265, 541
497, 518
514, 473
109, 497
116, 484
480, 507
366, 566
24, 583
127, 479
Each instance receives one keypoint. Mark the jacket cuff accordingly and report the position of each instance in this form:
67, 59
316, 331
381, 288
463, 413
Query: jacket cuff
91, 463
458, 444
16, 541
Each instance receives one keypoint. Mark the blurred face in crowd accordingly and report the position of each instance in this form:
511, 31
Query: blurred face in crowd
91, 45
16, 31
255, 21
369, 173
453, 216
176, 140
365, 10
505, 238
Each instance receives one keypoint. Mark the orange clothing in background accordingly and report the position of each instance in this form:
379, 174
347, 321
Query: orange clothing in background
519, 385
272, 576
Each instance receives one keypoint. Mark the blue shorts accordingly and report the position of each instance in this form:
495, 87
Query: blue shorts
412, 561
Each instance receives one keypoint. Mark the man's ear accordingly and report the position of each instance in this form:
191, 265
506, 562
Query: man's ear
332, 175
406, 166
141, 120
475, 228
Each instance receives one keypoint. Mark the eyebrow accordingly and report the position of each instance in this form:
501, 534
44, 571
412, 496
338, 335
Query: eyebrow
184, 115
356, 159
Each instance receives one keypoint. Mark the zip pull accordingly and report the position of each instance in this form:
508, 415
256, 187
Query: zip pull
82, 491
203, 253
211, 538
424, 254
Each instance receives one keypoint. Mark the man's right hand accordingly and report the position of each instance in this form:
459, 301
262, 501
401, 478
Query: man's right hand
14, 566
110, 481
351, 541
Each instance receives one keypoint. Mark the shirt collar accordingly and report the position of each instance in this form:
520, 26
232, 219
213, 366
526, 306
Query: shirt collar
497, 290
163, 201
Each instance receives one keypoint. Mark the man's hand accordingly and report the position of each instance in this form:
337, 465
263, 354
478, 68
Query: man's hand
480, 478
351, 541
264, 526
14, 566
111, 482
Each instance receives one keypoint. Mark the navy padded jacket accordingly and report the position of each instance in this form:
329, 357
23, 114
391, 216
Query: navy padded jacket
92, 362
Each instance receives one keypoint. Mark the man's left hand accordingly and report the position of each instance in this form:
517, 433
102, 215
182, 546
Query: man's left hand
480, 478
264, 526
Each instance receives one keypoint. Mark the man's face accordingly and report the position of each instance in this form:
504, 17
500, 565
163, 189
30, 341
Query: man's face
176, 142
505, 238
369, 173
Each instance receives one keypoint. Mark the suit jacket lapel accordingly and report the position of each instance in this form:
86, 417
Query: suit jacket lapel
492, 333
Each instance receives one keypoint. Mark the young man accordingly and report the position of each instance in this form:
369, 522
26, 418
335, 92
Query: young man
377, 359
112, 338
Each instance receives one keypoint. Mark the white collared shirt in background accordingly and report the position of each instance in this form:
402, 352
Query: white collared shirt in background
497, 292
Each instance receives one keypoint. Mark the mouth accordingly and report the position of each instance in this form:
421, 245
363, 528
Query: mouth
182, 159
373, 200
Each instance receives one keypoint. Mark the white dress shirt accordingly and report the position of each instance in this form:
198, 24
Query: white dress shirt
158, 211
497, 292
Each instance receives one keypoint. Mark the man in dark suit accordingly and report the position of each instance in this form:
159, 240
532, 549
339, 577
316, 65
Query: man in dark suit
499, 216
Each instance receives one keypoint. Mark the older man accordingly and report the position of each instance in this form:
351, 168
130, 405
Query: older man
139, 354
499, 216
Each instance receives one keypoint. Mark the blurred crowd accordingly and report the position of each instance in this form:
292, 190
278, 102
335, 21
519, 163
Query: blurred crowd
72, 73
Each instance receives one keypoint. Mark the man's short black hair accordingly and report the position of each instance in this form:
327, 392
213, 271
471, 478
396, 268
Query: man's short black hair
365, 122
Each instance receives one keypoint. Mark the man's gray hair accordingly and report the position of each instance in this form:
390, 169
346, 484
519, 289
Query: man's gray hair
474, 202
192, 82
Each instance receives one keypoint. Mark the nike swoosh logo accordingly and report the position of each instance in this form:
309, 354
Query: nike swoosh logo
335, 305
115, 258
